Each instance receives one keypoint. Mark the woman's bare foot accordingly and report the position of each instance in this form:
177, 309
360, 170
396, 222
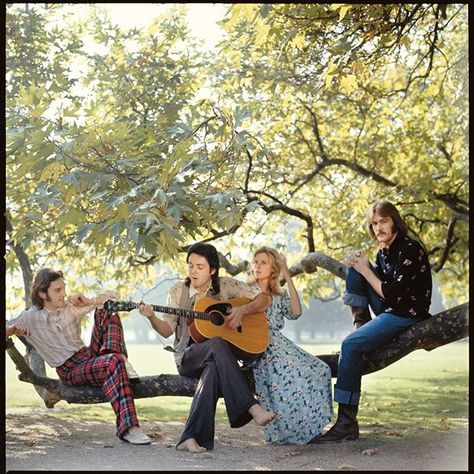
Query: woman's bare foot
190, 445
260, 415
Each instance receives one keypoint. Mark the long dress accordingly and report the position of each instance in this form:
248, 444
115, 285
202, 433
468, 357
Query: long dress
291, 382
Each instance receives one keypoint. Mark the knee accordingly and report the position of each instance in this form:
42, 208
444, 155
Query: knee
218, 343
219, 347
103, 318
350, 343
353, 276
115, 361
351, 273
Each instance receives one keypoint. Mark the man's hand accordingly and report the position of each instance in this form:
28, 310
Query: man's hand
80, 300
146, 310
235, 316
17, 330
358, 261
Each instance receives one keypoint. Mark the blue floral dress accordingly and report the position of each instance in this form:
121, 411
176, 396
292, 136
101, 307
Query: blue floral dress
291, 382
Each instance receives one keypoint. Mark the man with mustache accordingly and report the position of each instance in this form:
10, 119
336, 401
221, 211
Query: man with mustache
398, 290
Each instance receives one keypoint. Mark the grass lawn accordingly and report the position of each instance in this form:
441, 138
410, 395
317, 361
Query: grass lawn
422, 390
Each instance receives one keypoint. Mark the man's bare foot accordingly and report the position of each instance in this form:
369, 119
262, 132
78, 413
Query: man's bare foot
190, 445
260, 415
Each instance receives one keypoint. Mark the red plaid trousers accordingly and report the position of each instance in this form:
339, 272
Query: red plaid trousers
102, 364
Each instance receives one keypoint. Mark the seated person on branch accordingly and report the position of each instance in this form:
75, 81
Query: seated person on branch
53, 327
398, 290
212, 361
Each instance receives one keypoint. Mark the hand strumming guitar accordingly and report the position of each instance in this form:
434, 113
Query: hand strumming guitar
235, 316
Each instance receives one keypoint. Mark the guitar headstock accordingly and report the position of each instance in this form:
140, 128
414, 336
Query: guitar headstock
111, 305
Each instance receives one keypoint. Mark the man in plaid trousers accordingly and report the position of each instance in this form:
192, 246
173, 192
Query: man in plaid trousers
53, 327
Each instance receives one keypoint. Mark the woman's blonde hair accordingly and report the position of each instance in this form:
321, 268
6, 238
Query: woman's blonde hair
274, 282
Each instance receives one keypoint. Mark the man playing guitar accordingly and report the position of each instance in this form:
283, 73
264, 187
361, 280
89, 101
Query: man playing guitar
213, 361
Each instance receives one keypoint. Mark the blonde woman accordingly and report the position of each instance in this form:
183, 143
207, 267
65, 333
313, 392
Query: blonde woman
289, 381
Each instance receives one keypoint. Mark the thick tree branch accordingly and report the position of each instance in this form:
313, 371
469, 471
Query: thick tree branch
442, 328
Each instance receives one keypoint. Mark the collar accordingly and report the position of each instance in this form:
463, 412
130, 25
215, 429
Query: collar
53, 314
394, 245
193, 291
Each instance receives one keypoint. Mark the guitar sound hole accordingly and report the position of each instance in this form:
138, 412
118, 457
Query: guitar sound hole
216, 318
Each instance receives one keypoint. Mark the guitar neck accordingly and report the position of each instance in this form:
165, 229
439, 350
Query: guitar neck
184, 313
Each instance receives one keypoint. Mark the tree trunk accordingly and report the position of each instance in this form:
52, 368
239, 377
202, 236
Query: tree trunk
442, 328
35, 361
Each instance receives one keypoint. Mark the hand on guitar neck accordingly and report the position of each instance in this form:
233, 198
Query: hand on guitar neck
244, 326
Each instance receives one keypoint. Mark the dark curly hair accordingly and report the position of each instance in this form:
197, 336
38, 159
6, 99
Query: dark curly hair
209, 252
42, 280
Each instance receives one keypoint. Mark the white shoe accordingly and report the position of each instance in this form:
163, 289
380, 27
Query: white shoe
136, 436
131, 371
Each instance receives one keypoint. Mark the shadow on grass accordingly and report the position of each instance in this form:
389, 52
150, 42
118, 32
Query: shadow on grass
431, 403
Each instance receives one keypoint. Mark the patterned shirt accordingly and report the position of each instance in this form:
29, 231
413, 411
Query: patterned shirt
56, 335
229, 288
406, 278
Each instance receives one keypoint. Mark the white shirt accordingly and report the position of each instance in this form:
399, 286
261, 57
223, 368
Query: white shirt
56, 335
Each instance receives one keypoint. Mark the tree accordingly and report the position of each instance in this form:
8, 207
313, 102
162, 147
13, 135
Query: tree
312, 111
359, 115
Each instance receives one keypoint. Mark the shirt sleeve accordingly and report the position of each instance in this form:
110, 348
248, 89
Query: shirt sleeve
409, 266
286, 304
233, 288
20, 319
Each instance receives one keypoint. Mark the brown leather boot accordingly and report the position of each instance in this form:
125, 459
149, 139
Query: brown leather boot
360, 316
345, 428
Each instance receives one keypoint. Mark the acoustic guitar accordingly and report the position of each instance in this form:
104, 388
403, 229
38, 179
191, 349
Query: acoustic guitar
208, 319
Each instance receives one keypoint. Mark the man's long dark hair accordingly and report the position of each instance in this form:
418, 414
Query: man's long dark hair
209, 252
42, 280
386, 209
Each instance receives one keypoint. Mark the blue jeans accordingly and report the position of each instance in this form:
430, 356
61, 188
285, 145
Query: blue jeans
372, 335
360, 293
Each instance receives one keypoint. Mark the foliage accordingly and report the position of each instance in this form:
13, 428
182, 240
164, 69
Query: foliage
371, 103
310, 112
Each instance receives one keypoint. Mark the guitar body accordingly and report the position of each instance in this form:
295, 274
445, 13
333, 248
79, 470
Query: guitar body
250, 338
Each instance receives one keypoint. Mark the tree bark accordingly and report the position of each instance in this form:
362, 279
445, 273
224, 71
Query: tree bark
442, 328
35, 361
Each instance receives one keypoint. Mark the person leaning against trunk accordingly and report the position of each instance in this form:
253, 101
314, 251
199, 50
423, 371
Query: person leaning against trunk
53, 327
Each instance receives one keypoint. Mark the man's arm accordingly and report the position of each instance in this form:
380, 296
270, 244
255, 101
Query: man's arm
160, 326
18, 326
17, 330
163, 327
82, 301
359, 262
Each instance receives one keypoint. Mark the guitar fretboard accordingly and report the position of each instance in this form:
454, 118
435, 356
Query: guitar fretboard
178, 312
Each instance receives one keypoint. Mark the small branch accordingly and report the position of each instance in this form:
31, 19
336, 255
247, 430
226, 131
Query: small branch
449, 243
